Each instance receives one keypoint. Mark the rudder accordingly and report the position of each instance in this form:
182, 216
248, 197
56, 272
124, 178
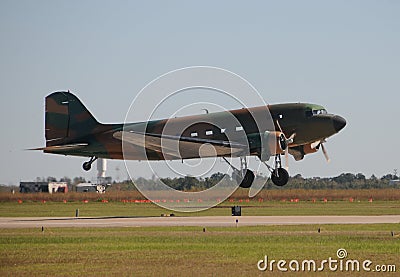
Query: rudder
66, 118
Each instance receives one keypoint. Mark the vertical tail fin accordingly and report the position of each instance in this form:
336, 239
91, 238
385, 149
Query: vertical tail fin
66, 118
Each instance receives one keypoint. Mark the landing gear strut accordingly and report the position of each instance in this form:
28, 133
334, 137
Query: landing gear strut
244, 176
88, 165
279, 175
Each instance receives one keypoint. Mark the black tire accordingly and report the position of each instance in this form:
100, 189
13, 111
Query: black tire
247, 179
86, 166
281, 179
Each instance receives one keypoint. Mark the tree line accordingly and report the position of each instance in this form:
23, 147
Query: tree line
342, 181
189, 183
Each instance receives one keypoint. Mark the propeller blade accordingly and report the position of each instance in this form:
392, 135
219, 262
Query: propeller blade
288, 141
291, 139
279, 126
325, 152
315, 144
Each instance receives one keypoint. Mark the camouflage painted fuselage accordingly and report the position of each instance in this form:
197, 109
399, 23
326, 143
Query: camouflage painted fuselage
72, 130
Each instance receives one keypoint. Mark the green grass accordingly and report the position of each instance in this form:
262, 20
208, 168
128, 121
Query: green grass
59, 209
188, 251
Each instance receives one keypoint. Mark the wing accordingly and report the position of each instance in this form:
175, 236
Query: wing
177, 147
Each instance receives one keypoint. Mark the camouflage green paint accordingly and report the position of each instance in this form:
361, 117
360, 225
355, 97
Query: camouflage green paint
72, 130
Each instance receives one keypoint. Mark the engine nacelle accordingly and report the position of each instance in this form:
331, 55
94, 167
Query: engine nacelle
272, 143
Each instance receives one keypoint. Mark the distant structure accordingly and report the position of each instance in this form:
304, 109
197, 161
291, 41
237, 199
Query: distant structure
90, 187
394, 182
101, 173
101, 168
100, 183
50, 187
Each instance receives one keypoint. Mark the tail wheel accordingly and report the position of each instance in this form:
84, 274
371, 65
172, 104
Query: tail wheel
247, 179
280, 177
87, 166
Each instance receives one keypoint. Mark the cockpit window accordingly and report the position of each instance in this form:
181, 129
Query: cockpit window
320, 111
310, 113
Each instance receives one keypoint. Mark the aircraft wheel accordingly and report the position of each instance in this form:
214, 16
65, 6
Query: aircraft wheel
247, 179
87, 166
282, 178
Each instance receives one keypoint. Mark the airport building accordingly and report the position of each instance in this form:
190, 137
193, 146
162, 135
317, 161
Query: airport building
50, 187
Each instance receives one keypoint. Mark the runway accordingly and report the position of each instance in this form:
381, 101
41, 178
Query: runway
206, 221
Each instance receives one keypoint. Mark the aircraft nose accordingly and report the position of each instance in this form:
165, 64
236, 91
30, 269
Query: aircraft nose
338, 123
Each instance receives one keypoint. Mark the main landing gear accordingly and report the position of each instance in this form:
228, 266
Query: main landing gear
243, 176
279, 175
88, 165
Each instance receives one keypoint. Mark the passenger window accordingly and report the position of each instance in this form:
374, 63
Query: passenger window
194, 134
209, 133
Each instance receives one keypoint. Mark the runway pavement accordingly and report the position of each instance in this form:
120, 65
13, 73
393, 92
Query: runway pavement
33, 222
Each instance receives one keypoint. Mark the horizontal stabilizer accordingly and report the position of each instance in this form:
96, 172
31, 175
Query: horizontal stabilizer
56, 148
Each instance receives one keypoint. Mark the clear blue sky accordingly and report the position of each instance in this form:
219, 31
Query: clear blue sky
343, 55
